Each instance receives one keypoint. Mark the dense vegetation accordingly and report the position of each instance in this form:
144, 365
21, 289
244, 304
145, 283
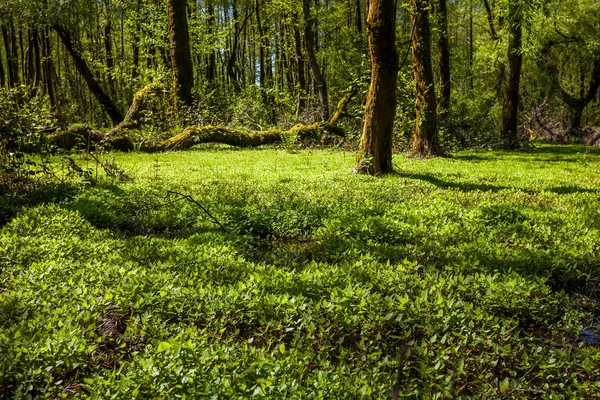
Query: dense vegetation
471, 276
421, 220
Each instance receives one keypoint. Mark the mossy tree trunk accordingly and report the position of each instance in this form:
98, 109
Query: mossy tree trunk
424, 141
444, 56
375, 153
309, 43
80, 64
510, 108
181, 58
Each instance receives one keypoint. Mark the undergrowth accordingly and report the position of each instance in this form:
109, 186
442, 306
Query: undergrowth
465, 277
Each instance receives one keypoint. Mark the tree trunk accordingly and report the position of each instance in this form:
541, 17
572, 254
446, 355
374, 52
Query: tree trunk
37, 65
309, 43
48, 68
211, 65
424, 141
358, 17
14, 54
509, 134
232, 59
105, 101
576, 105
444, 54
110, 59
302, 85
181, 58
2, 78
375, 153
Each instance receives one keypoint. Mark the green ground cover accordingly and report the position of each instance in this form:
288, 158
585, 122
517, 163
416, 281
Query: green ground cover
463, 277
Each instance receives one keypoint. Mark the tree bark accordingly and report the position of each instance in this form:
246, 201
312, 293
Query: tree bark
48, 67
211, 65
576, 105
444, 55
37, 65
300, 67
2, 78
509, 134
80, 64
375, 153
181, 58
309, 43
110, 59
424, 141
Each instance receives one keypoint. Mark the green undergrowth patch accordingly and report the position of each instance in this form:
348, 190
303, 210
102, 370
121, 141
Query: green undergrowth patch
462, 277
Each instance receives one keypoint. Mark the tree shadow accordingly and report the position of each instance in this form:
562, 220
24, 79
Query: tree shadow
570, 189
462, 186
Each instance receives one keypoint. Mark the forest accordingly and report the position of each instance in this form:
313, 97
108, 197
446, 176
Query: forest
300, 199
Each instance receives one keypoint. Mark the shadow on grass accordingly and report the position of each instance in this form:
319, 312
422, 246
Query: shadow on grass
571, 153
462, 186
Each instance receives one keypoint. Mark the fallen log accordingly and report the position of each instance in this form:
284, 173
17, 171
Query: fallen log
235, 137
240, 138
84, 137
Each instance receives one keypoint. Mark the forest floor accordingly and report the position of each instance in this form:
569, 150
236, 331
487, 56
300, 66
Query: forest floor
282, 274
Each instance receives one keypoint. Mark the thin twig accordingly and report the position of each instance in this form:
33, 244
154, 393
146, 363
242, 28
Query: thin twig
191, 200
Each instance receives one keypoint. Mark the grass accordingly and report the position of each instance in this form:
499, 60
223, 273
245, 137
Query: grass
463, 277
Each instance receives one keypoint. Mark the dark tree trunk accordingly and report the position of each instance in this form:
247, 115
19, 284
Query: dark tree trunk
375, 153
105, 101
232, 59
264, 58
510, 108
37, 58
300, 67
424, 141
14, 54
576, 105
181, 58
471, 46
444, 54
309, 43
110, 59
12, 61
30, 75
490, 18
48, 68
211, 65
2, 78
358, 17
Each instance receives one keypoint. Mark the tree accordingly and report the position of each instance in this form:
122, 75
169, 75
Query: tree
181, 57
105, 101
424, 141
510, 108
375, 153
309, 42
444, 56
570, 57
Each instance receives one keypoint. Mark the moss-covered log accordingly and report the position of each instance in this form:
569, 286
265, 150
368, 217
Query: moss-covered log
84, 137
235, 137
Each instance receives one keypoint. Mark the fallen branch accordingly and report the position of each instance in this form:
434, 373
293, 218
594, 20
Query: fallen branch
191, 200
